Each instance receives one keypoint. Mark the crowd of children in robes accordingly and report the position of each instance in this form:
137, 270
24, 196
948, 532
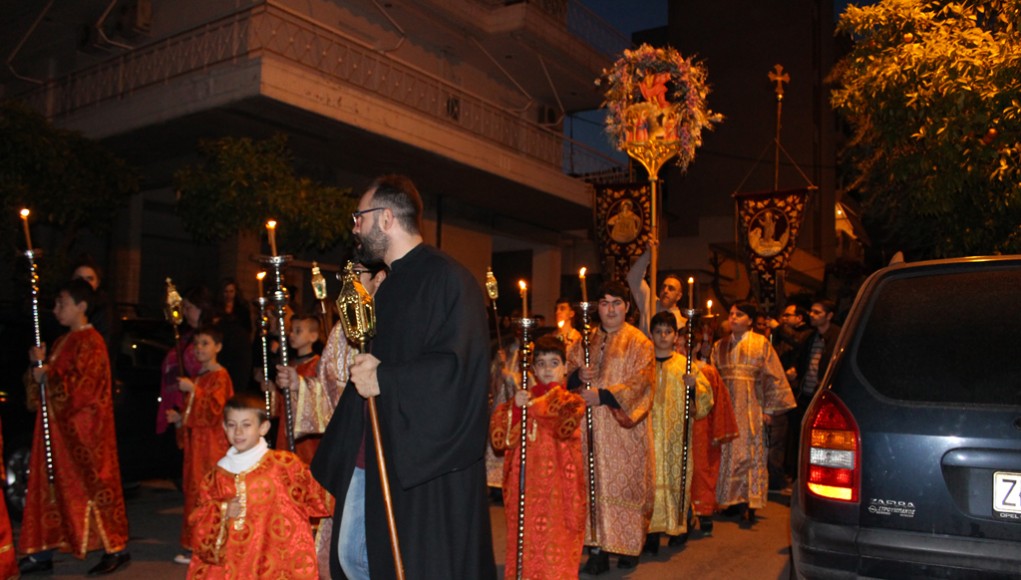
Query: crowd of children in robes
704, 449
253, 511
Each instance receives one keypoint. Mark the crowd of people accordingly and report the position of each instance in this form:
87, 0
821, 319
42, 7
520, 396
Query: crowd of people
382, 467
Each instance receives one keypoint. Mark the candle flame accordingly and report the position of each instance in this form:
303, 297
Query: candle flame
24, 214
708, 305
522, 285
691, 280
260, 276
271, 224
560, 324
581, 273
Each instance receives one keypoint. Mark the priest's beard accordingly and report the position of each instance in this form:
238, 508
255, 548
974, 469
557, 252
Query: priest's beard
371, 246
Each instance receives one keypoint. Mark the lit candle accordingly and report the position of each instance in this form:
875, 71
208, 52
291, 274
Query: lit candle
524, 298
708, 306
691, 293
584, 289
560, 330
271, 228
259, 277
24, 222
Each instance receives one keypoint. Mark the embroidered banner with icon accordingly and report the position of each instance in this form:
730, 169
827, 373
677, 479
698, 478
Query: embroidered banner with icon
622, 214
768, 224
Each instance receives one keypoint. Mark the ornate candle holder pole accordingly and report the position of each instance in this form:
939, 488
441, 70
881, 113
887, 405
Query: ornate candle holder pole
263, 304
585, 308
692, 314
657, 110
526, 325
358, 317
44, 406
278, 297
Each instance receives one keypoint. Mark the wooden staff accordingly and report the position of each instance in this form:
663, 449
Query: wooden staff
358, 317
526, 349
44, 406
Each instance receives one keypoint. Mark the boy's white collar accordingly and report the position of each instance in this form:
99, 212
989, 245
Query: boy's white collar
235, 462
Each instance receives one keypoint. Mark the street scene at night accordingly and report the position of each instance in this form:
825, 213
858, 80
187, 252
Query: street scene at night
510, 289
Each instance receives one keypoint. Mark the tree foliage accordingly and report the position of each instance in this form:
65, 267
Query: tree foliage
932, 93
66, 180
240, 183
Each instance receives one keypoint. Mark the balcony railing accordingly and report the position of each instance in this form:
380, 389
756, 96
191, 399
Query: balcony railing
252, 33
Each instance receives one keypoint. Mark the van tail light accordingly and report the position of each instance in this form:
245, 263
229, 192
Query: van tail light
831, 444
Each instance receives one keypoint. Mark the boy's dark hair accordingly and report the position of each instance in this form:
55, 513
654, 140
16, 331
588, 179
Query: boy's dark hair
80, 291
399, 193
550, 344
614, 288
308, 318
665, 318
247, 402
564, 300
212, 332
748, 307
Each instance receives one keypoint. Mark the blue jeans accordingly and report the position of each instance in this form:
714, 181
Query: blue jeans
354, 558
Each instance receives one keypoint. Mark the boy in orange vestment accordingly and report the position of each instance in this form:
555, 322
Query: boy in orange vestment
252, 517
199, 426
83, 509
555, 485
304, 333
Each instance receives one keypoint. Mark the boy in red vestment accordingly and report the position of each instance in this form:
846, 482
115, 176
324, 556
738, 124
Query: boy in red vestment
199, 425
252, 517
8, 561
304, 333
83, 509
555, 485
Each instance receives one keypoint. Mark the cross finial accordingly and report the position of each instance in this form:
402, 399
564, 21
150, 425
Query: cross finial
779, 77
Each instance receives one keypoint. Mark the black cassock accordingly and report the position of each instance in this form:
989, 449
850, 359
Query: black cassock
432, 341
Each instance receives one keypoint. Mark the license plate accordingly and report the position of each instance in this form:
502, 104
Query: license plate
1007, 494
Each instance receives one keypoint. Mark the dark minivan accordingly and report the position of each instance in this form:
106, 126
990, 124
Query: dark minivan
910, 460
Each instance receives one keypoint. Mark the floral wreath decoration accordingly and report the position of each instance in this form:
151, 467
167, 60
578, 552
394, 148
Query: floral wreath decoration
656, 96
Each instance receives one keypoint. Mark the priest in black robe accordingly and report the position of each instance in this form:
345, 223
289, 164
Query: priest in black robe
429, 367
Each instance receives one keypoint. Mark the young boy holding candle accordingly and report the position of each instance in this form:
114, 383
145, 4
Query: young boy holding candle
671, 433
555, 485
303, 335
199, 423
252, 515
83, 446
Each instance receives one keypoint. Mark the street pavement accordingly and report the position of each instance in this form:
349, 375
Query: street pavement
732, 552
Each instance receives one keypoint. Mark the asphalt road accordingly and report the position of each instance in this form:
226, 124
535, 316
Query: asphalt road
732, 552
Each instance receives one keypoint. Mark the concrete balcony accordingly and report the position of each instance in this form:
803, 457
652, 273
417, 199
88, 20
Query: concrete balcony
347, 105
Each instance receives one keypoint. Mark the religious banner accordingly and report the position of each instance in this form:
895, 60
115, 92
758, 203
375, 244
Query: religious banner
768, 224
622, 222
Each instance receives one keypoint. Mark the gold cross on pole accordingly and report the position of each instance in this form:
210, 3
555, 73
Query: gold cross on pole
779, 77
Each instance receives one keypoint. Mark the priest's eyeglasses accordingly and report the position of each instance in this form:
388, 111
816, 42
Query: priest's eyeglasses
356, 216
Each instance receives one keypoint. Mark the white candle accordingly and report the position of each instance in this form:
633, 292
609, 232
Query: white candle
584, 289
524, 298
271, 228
24, 222
691, 293
260, 277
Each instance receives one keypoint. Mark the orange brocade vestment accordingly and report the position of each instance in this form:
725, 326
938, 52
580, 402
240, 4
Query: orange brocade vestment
204, 440
85, 508
304, 445
273, 537
555, 486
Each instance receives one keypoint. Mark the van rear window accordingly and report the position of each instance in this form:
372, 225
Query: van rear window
948, 338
